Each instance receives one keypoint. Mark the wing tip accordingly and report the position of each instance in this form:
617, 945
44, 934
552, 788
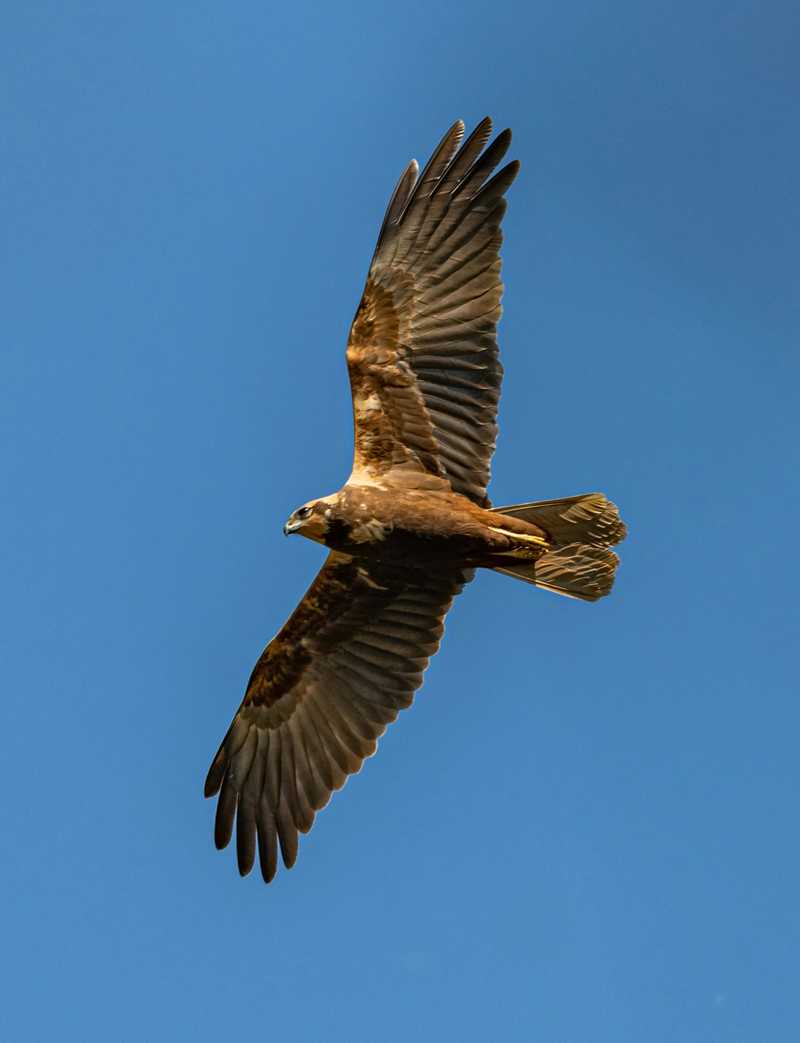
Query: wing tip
245, 863
222, 835
216, 773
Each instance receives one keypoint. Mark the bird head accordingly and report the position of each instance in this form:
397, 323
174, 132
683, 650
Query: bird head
310, 520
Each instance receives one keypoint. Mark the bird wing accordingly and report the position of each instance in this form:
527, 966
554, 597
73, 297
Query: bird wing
422, 351
325, 688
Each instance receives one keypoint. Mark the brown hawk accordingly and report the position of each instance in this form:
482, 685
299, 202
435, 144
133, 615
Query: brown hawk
412, 521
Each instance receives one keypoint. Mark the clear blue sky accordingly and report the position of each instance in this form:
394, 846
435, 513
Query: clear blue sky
586, 829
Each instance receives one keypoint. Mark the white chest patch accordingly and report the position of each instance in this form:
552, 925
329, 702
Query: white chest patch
368, 532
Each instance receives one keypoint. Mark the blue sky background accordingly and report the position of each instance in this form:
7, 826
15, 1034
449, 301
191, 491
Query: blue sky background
586, 829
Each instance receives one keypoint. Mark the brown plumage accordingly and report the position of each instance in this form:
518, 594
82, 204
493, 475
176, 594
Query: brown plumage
413, 521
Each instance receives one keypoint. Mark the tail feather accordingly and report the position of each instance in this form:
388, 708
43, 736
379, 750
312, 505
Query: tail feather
590, 518
580, 530
576, 571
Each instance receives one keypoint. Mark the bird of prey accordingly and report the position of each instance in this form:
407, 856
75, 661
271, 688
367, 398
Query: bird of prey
413, 521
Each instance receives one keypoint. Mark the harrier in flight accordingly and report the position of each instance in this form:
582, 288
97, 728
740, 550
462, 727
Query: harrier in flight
413, 521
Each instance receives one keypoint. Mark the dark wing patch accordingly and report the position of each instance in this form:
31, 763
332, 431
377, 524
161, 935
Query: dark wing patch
422, 352
348, 660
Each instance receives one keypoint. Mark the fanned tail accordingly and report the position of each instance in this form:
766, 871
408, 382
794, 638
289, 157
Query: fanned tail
579, 529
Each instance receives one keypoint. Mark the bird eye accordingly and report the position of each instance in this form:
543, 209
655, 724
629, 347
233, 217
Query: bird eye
303, 512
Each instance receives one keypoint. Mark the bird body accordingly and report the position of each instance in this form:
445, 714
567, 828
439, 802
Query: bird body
413, 521
428, 526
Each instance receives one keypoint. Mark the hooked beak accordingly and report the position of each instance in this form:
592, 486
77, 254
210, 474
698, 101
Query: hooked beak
291, 526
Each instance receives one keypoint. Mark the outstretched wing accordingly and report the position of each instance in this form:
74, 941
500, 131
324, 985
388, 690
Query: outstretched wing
325, 688
422, 352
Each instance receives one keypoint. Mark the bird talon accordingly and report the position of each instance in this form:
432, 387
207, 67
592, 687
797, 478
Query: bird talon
539, 541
